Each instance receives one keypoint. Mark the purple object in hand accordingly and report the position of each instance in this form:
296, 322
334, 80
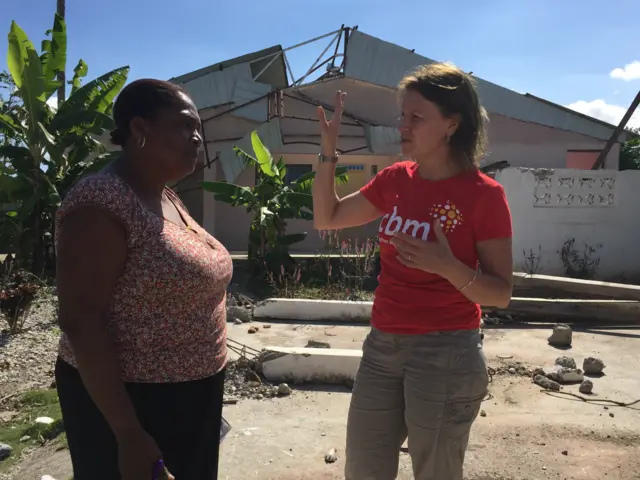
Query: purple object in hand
159, 471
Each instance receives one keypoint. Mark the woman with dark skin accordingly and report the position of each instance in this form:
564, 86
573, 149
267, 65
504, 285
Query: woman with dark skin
142, 290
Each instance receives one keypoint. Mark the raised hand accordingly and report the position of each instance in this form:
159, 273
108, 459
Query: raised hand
329, 130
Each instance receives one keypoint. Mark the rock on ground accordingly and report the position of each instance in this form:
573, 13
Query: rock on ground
567, 362
547, 383
561, 336
586, 387
592, 366
5, 451
566, 375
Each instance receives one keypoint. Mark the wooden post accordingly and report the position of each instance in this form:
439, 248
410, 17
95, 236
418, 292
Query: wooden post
616, 133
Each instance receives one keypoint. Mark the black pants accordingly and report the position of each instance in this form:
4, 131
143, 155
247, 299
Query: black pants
183, 418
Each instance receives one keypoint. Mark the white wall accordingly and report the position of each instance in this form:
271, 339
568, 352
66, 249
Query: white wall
597, 208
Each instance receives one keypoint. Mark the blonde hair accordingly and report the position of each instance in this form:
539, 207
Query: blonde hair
455, 94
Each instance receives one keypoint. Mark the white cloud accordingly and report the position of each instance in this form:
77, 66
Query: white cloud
631, 71
604, 111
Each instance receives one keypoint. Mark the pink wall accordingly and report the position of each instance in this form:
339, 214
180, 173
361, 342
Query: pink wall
582, 160
531, 145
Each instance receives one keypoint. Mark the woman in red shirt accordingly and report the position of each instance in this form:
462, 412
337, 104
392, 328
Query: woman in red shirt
445, 248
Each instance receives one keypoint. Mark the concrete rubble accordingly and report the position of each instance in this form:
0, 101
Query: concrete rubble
593, 366
565, 375
561, 336
546, 383
331, 456
565, 371
239, 308
566, 362
586, 387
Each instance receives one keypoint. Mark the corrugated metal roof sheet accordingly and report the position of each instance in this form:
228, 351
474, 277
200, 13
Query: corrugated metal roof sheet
382, 63
250, 57
216, 88
382, 140
247, 90
269, 133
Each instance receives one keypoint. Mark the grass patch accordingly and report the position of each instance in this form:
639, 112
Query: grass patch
29, 406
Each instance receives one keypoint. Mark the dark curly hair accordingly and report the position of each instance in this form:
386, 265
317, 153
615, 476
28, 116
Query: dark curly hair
142, 98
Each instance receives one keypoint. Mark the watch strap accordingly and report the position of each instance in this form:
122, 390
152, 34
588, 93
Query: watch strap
325, 158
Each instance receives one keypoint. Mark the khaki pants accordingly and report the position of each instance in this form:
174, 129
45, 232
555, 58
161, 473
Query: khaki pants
427, 388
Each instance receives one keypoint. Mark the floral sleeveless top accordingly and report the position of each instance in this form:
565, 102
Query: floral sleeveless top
168, 312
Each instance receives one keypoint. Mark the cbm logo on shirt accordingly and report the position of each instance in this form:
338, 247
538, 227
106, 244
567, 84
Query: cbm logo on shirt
446, 213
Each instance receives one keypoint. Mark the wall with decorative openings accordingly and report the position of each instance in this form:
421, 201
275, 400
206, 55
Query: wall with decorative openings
599, 209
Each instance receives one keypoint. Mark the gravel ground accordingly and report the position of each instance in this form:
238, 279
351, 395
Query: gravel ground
27, 358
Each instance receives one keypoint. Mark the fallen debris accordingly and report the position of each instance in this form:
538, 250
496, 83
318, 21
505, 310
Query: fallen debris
243, 377
253, 330
514, 368
586, 387
561, 336
243, 314
572, 285
331, 456
593, 366
284, 390
317, 344
566, 362
565, 375
546, 383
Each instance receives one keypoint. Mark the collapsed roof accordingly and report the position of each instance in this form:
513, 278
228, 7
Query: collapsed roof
260, 92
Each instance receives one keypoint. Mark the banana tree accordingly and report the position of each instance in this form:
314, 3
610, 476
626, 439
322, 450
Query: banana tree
271, 202
49, 148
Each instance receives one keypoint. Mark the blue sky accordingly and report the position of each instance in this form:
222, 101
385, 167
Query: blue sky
563, 51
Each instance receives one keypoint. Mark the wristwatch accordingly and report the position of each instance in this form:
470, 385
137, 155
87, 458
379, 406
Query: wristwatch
324, 158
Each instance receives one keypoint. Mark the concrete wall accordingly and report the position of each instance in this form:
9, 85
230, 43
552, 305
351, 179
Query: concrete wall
597, 208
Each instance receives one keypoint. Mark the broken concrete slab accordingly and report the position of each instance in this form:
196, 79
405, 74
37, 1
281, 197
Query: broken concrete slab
311, 365
603, 289
313, 310
565, 375
609, 311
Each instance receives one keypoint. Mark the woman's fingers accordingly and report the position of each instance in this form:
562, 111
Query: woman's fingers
338, 106
322, 116
405, 248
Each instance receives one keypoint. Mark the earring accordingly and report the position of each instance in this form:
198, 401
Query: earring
141, 142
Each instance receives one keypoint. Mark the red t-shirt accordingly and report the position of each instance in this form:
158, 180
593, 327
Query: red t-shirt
471, 206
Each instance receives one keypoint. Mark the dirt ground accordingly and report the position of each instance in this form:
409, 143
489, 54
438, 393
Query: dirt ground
525, 434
